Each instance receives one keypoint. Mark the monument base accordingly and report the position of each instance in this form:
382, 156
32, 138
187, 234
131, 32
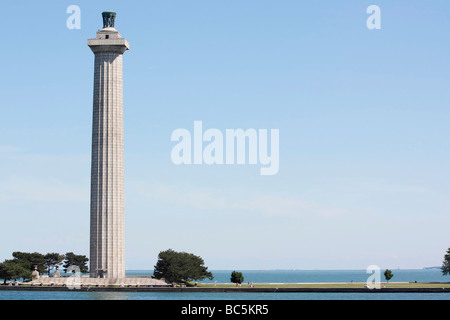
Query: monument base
86, 281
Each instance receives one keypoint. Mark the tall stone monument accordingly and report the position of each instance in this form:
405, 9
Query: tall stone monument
107, 246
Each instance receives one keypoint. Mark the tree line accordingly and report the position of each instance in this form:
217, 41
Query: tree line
23, 264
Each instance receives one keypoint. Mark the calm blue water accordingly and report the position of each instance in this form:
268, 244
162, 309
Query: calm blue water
317, 276
259, 276
217, 296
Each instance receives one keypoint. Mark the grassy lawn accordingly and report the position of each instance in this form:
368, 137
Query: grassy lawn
329, 285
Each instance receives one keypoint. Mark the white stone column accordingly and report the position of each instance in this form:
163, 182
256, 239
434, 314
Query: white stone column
107, 243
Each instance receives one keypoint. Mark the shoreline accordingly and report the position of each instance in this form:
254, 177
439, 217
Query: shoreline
259, 288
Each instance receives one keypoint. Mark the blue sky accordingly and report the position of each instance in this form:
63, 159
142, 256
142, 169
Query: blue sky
363, 118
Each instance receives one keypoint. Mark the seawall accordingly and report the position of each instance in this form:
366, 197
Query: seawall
226, 290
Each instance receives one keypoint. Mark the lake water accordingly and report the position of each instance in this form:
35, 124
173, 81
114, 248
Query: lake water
317, 276
259, 276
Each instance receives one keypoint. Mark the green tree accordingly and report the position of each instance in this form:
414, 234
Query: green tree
72, 259
52, 260
13, 270
388, 275
180, 267
237, 277
446, 264
30, 260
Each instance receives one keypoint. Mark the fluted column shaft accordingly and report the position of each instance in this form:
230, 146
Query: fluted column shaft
107, 248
